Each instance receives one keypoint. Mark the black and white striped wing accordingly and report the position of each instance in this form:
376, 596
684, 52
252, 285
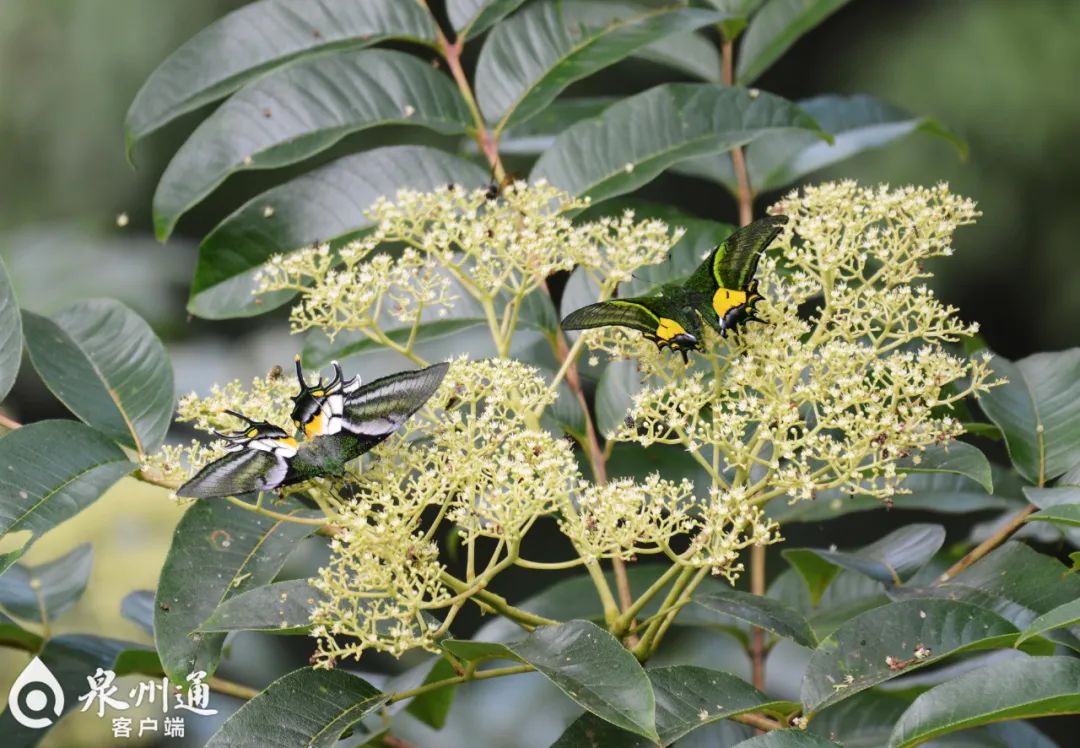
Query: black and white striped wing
242, 471
377, 409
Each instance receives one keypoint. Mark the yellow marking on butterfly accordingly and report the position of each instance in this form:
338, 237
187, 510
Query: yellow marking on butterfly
313, 427
252, 433
288, 441
317, 393
668, 329
724, 300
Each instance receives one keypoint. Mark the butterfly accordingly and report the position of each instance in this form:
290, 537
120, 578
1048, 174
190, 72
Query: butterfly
340, 420
722, 292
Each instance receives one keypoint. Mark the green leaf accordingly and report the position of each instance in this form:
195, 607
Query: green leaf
477, 651
70, 659
862, 721
280, 607
258, 37
108, 367
787, 739
958, 458
739, 12
633, 141
1017, 688
326, 204
307, 707
816, 572
218, 550
591, 667
913, 633
619, 382
432, 707
776, 27
138, 607
528, 60
52, 471
1064, 514
473, 17
933, 492
892, 560
1038, 411
15, 636
10, 334
31, 592
769, 614
857, 123
687, 697
300, 110
1064, 615
537, 134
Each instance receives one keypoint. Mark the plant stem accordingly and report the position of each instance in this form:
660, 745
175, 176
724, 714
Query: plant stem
746, 197
626, 620
9, 423
757, 634
229, 688
760, 721
988, 545
498, 604
453, 681
275, 515
488, 142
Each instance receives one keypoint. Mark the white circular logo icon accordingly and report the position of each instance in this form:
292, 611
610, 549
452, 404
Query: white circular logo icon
34, 695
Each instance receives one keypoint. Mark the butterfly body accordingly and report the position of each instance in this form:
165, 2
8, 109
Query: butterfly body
340, 420
721, 293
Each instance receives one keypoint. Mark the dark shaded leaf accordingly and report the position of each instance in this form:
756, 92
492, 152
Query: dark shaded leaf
432, 707
280, 607
764, 612
1017, 688
300, 110
528, 60
44, 483
326, 204
891, 560
1067, 614
108, 367
10, 334
46, 590
1038, 411
70, 660
897, 638
619, 382
218, 550
257, 37
958, 458
473, 17
591, 667
787, 739
307, 707
15, 636
636, 139
138, 607
776, 27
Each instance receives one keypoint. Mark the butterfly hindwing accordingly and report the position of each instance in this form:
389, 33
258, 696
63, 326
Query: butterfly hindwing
241, 471
377, 409
631, 312
734, 262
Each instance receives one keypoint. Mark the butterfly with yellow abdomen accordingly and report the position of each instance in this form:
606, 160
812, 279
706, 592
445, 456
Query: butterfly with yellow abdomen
722, 292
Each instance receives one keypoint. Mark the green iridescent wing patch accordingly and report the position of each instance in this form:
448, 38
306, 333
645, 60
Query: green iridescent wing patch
378, 409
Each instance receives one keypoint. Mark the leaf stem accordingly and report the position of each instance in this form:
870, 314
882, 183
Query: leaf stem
498, 604
987, 545
275, 515
9, 423
455, 680
738, 160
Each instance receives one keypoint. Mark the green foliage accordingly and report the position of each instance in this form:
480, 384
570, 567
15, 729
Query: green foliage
370, 134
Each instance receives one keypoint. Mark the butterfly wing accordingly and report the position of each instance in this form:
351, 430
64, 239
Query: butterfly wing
375, 410
635, 312
241, 471
733, 263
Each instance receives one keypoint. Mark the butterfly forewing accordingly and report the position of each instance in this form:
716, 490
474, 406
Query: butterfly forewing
378, 408
735, 261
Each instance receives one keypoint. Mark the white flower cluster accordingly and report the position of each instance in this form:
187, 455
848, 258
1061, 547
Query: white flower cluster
835, 397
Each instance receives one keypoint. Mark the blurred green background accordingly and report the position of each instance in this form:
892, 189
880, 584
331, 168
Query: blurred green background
1001, 73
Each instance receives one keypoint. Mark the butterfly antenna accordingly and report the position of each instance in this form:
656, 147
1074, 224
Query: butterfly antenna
299, 371
337, 376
